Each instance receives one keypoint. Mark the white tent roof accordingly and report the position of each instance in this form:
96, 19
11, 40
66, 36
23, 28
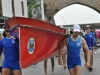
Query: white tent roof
76, 14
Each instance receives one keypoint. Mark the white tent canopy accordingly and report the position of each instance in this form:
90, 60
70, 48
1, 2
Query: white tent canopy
76, 14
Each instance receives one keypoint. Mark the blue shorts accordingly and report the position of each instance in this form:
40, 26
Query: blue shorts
11, 65
73, 61
90, 48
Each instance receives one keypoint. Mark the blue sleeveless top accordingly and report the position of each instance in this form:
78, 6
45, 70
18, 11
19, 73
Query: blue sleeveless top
74, 47
89, 39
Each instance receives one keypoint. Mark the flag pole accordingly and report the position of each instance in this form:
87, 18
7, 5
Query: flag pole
42, 9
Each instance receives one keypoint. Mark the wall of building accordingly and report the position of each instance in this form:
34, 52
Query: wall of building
52, 6
19, 9
7, 8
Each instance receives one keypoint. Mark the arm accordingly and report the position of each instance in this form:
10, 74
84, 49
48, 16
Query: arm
87, 51
60, 49
93, 40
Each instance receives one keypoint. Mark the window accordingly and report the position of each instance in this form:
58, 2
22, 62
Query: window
0, 8
13, 10
22, 4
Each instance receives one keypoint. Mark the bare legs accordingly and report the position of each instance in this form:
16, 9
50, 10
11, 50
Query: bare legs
76, 71
45, 67
17, 72
91, 59
6, 71
52, 65
64, 60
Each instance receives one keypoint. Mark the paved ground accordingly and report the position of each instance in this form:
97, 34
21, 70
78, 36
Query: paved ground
39, 70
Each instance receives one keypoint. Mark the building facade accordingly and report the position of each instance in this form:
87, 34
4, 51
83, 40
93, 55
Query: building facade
10, 8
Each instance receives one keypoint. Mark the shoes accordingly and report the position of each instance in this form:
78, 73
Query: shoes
90, 69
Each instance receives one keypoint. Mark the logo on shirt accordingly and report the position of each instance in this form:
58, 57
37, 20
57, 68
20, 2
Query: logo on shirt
31, 45
78, 44
4, 42
13, 41
90, 36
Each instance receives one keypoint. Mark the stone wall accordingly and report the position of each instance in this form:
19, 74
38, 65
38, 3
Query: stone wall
52, 6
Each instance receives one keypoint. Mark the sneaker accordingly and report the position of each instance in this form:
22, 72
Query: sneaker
90, 69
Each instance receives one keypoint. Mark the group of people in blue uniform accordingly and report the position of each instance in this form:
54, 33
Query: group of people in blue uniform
10, 46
